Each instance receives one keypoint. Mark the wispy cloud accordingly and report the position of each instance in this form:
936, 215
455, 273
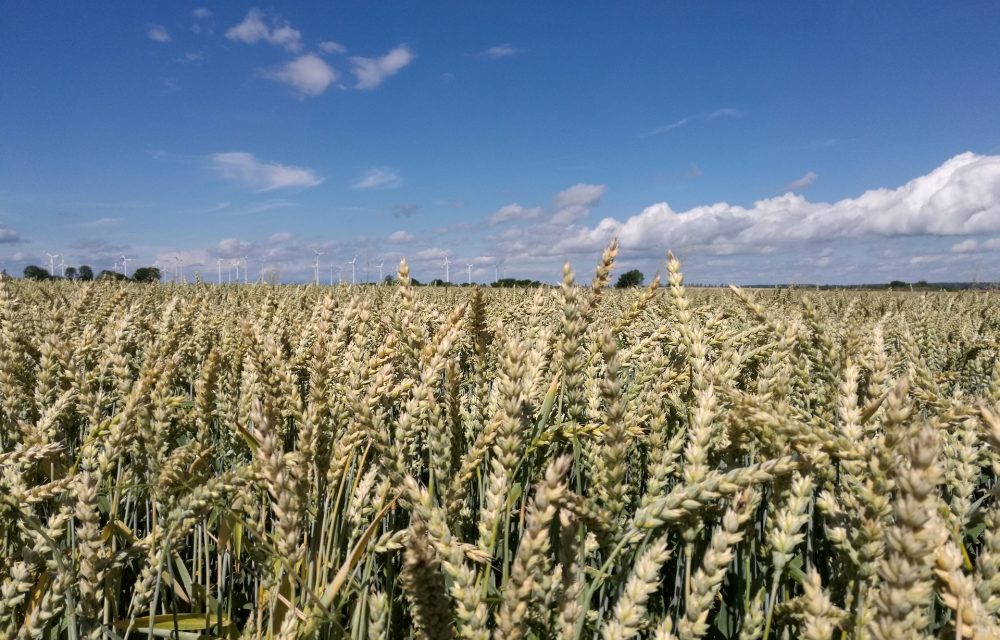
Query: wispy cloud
190, 57
513, 212
309, 74
378, 178
371, 72
400, 237
244, 168
8, 235
803, 182
405, 210
202, 13
158, 33
258, 26
708, 116
504, 50
583, 195
330, 46
101, 222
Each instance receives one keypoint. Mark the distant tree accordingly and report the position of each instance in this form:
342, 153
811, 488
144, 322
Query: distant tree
85, 272
110, 275
146, 274
34, 272
390, 279
438, 282
513, 282
629, 279
70, 273
416, 283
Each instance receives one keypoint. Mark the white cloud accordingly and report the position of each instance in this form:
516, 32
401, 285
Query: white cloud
708, 116
257, 26
378, 178
583, 195
280, 237
400, 237
960, 197
370, 72
246, 169
158, 33
309, 74
504, 50
201, 13
433, 253
803, 182
965, 246
330, 46
514, 212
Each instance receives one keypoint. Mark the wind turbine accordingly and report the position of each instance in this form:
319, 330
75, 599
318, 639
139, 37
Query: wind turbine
447, 271
340, 274
331, 274
352, 263
52, 261
469, 267
496, 271
62, 266
177, 268
125, 262
219, 263
316, 266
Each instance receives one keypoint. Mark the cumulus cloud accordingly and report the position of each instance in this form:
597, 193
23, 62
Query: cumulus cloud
257, 27
504, 50
961, 197
309, 74
246, 169
158, 33
370, 72
329, 46
378, 178
707, 116
803, 182
514, 212
400, 237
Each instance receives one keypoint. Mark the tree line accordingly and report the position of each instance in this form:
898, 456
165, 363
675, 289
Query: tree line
85, 273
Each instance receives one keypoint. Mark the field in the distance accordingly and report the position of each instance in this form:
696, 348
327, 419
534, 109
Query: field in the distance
575, 462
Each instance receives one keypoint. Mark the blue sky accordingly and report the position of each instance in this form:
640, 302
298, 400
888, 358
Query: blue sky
802, 142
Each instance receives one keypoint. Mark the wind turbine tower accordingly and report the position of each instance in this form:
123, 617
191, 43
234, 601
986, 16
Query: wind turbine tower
469, 267
246, 270
447, 270
380, 271
316, 266
218, 261
352, 263
52, 262
125, 262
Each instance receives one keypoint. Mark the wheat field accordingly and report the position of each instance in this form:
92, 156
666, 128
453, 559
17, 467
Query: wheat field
567, 462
